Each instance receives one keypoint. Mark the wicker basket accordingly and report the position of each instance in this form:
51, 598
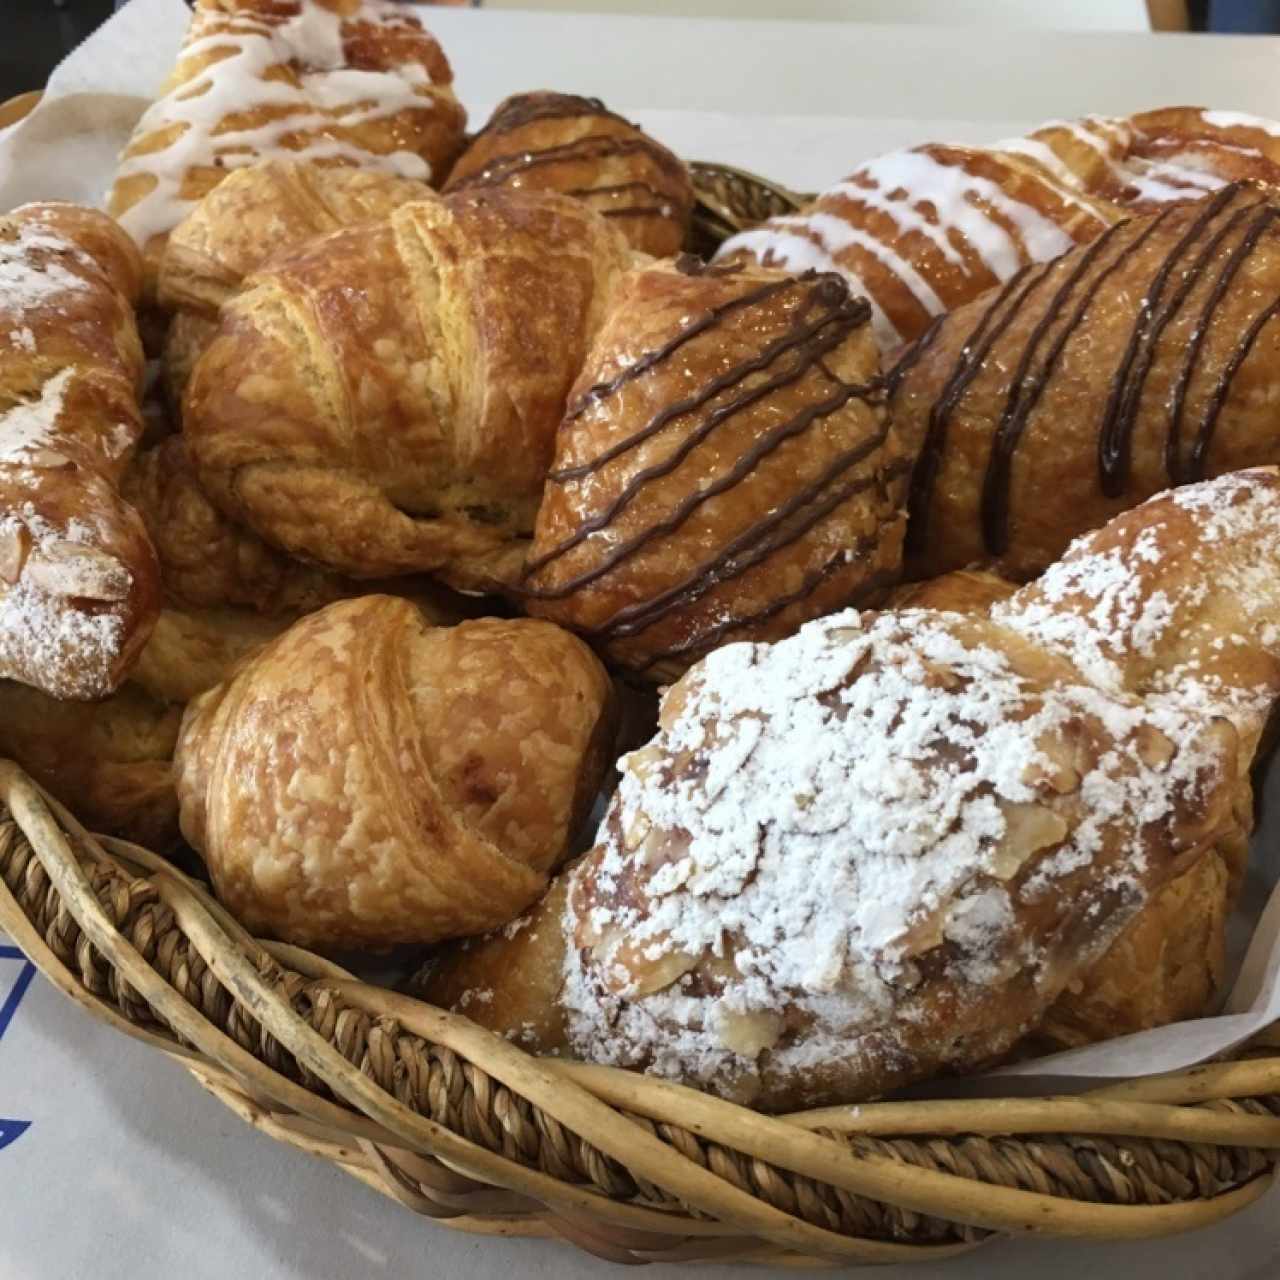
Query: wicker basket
458, 1124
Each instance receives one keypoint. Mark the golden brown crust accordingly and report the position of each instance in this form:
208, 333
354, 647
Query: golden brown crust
921, 232
207, 560
351, 82
963, 591
559, 142
385, 400
253, 215
725, 470
79, 583
109, 762
393, 782
1078, 397
1168, 966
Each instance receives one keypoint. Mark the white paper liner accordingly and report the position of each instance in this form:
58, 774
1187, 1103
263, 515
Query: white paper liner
67, 148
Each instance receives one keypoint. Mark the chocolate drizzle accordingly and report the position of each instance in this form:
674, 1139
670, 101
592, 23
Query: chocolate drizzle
527, 108
593, 147
1080, 278
1205, 437
705, 641
1116, 429
812, 338
967, 367
753, 546
637, 369
822, 319
1195, 467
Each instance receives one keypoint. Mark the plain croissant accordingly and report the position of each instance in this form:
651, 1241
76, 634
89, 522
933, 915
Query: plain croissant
368, 779
385, 400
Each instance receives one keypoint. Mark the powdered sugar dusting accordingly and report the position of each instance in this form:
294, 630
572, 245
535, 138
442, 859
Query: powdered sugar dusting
1136, 619
66, 646
28, 428
820, 816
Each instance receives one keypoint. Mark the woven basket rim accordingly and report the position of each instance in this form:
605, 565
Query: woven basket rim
458, 1124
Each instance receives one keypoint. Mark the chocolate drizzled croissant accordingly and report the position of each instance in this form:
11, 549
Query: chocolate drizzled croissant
725, 468
561, 142
1083, 386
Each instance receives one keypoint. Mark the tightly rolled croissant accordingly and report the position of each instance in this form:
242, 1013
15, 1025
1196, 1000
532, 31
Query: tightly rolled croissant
79, 584
255, 214
369, 780
385, 400
1147, 358
920, 232
747, 921
559, 142
349, 82
725, 469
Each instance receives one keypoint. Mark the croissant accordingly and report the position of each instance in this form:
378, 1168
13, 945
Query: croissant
367, 779
385, 400
1170, 963
560, 142
207, 560
79, 584
1083, 386
921, 232
353, 82
725, 468
109, 761
746, 921
255, 214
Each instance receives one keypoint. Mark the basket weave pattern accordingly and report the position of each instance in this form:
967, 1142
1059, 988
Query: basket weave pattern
457, 1124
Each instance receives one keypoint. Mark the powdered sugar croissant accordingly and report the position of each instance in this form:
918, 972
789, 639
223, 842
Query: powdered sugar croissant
883, 848
79, 583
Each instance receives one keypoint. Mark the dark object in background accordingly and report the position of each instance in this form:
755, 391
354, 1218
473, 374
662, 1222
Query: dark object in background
35, 36
1244, 17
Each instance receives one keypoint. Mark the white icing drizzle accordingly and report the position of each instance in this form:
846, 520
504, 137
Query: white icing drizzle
953, 192
320, 95
794, 251
1240, 120
959, 213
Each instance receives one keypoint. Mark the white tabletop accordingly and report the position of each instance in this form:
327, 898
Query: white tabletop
125, 1168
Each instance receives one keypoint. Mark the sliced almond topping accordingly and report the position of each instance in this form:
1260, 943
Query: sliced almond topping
74, 570
630, 969
1154, 749
15, 543
1055, 774
1028, 829
636, 832
46, 460
748, 1034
